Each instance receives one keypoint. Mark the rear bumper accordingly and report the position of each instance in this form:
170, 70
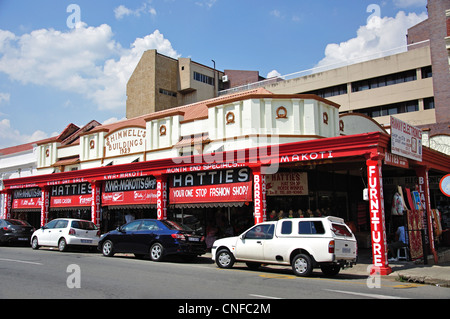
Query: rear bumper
81, 241
15, 238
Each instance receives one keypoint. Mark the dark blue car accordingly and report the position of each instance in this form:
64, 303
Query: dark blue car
157, 238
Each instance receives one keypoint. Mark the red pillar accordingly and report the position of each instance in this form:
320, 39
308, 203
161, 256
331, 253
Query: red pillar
259, 195
7, 204
45, 204
377, 219
424, 192
96, 202
161, 197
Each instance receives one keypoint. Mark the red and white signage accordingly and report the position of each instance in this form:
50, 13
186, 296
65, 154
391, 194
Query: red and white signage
219, 193
161, 198
259, 191
377, 221
287, 184
406, 140
222, 186
129, 191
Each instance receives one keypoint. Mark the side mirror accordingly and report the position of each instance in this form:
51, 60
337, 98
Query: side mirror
119, 229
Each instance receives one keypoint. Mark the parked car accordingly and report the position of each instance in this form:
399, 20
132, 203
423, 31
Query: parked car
64, 232
302, 243
156, 238
15, 231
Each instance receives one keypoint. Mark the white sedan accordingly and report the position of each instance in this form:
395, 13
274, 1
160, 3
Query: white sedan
64, 232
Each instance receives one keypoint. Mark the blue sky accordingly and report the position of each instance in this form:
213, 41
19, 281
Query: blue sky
62, 64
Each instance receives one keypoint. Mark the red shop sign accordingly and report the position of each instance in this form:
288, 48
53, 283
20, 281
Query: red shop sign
71, 201
129, 191
129, 198
219, 193
27, 203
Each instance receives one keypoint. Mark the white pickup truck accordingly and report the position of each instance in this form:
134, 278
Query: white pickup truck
303, 243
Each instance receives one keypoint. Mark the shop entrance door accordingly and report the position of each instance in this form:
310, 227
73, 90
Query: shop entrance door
250, 246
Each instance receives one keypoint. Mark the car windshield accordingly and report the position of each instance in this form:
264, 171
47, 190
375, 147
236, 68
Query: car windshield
83, 224
175, 225
17, 222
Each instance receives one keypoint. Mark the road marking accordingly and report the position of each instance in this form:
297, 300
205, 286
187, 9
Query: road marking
21, 261
365, 295
265, 297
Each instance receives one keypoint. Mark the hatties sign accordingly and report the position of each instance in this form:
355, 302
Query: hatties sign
126, 141
232, 185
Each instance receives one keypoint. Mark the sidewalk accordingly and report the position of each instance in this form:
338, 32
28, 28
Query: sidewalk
410, 271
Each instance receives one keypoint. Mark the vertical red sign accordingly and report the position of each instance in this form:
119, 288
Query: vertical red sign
95, 203
161, 197
259, 193
377, 221
45, 202
7, 205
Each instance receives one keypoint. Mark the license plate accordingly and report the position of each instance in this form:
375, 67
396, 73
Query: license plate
346, 250
86, 241
194, 239
22, 238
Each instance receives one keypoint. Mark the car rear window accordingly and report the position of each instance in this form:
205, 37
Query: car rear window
310, 228
82, 224
175, 226
17, 222
340, 230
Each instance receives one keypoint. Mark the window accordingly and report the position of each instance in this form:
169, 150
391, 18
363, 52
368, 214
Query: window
428, 103
81, 224
203, 78
260, 232
427, 72
51, 224
131, 226
385, 80
340, 230
61, 223
149, 225
330, 91
286, 227
167, 92
391, 109
310, 228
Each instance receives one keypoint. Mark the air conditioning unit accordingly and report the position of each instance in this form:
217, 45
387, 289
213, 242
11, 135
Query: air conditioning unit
225, 78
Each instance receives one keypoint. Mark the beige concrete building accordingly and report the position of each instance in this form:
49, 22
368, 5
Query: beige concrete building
399, 85
160, 82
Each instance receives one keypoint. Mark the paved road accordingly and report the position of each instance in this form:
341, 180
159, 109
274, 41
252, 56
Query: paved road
45, 273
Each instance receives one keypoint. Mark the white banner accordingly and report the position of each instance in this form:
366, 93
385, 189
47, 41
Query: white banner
406, 140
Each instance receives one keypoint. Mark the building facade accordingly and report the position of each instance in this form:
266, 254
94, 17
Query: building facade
225, 164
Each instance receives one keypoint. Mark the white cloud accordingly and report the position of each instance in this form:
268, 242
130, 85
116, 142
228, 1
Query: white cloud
377, 38
4, 97
273, 74
410, 3
122, 11
85, 60
206, 3
10, 136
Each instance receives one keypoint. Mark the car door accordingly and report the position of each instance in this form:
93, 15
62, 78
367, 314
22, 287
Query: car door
125, 238
144, 235
250, 246
57, 232
45, 232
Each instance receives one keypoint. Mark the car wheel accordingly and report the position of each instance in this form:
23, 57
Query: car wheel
107, 248
35, 243
253, 266
330, 270
62, 245
156, 252
302, 265
224, 259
